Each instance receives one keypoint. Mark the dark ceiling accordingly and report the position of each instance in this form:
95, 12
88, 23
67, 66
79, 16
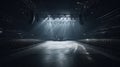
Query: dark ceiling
17, 15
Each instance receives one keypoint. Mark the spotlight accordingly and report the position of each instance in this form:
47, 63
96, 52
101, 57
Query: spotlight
62, 26
61, 18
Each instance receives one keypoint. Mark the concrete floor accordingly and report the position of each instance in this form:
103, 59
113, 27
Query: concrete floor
60, 54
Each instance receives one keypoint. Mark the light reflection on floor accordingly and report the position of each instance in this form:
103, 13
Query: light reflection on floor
60, 53
63, 45
57, 53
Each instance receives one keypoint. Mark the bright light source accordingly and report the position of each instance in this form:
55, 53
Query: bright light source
62, 19
59, 28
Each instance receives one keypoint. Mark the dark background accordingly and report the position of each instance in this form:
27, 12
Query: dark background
100, 18
20, 45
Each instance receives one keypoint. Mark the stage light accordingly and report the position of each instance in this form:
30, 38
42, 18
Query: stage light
59, 27
62, 19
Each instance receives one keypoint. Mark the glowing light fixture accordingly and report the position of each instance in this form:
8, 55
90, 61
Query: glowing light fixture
62, 19
59, 27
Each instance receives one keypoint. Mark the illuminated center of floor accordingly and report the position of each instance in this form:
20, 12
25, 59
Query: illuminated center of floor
63, 45
60, 53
